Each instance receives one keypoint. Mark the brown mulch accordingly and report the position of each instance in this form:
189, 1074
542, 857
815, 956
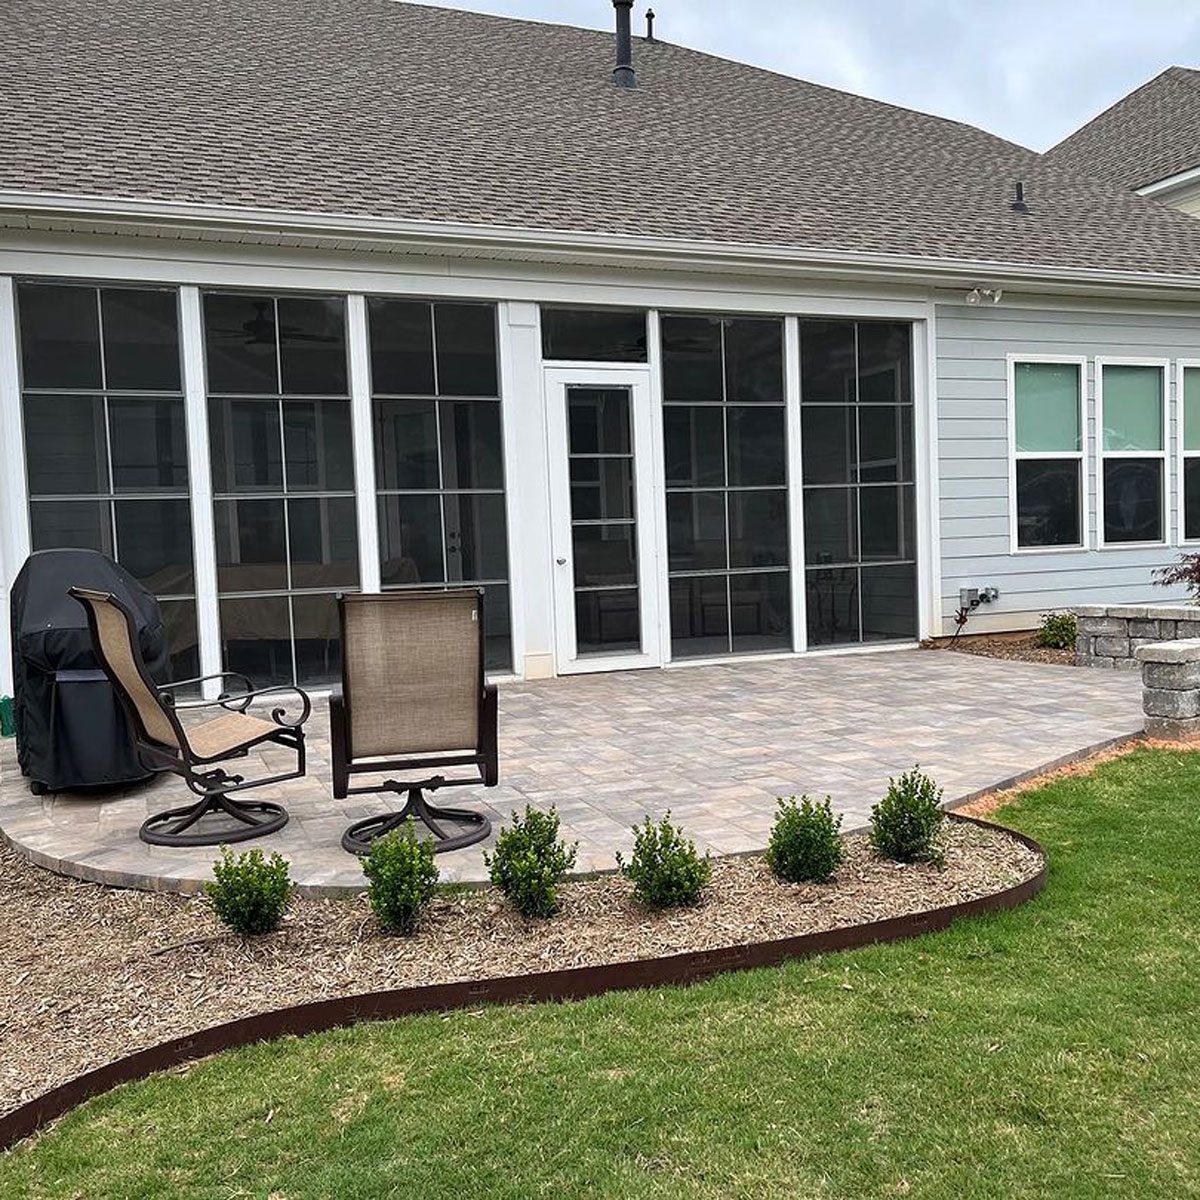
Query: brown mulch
93, 973
1019, 648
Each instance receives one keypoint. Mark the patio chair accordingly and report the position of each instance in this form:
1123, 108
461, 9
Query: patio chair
413, 699
192, 751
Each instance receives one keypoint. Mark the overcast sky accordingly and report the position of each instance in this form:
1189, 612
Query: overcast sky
1029, 70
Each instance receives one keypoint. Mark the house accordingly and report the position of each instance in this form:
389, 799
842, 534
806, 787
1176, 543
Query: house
677, 358
1148, 142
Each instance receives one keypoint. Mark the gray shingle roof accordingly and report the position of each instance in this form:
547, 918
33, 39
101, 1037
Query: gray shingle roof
1151, 134
376, 108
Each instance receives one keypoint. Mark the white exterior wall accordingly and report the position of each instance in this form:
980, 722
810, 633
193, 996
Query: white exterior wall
974, 344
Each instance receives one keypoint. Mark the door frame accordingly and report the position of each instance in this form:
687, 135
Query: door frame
647, 473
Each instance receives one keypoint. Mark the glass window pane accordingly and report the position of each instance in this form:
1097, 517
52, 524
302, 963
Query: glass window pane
256, 639
1048, 502
1191, 499
183, 638
406, 452
607, 622
410, 540
886, 522
466, 349
472, 455
692, 368
696, 531
149, 444
246, 451
476, 542
60, 336
323, 535
694, 445
605, 555
827, 366
699, 616
830, 525
1046, 398
401, 347
885, 439
594, 335
154, 543
758, 529
65, 445
827, 442
757, 446
884, 363
141, 339
754, 360
1133, 500
889, 603
251, 545
1191, 408
240, 345
71, 524
318, 640
598, 420
317, 446
497, 628
312, 345
601, 489
831, 598
1133, 408
760, 612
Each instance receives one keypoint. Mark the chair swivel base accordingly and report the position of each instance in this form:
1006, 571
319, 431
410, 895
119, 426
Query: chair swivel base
358, 838
250, 819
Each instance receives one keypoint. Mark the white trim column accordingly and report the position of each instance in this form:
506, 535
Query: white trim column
14, 492
204, 548
928, 503
364, 452
658, 489
795, 478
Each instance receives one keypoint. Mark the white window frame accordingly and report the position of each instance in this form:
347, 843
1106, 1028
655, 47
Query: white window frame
1182, 454
1164, 369
1080, 455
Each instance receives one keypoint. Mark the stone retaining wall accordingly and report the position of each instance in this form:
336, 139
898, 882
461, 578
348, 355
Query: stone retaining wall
1110, 636
1171, 688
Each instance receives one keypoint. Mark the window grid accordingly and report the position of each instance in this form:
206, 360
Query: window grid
1187, 369
1104, 455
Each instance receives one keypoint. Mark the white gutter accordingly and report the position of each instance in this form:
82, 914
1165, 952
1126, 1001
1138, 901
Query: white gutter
449, 237
1170, 183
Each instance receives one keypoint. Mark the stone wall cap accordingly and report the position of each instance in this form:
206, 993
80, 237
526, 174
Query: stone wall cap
1129, 612
1184, 650
1090, 610
1173, 612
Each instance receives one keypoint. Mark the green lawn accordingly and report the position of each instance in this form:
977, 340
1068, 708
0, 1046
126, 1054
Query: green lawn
1050, 1051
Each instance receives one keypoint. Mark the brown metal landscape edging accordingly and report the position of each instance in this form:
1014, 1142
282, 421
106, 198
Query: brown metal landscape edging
576, 983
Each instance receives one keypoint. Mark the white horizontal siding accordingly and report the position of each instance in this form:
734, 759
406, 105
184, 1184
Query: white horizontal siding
972, 425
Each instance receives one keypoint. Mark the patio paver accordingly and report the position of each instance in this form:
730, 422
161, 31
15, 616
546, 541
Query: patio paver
715, 744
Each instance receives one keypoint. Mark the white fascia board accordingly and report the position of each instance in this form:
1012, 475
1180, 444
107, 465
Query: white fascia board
155, 217
1162, 187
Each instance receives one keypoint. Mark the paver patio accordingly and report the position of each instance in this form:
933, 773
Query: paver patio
715, 744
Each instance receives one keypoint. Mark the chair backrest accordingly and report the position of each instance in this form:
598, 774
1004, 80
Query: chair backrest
412, 671
114, 643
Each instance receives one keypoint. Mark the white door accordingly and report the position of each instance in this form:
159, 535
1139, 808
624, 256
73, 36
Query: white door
606, 567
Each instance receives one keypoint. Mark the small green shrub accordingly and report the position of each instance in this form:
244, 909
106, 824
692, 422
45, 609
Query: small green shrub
530, 861
665, 869
1057, 631
401, 878
806, 844
906, 822
249, 892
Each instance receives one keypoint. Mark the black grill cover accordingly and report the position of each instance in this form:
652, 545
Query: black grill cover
71, 731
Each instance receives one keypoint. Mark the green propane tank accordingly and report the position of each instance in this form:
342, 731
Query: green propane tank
8, 726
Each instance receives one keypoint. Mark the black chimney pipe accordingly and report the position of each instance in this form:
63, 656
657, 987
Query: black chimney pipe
623, 71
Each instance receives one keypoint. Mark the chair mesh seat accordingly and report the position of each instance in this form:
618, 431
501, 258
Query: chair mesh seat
226, 733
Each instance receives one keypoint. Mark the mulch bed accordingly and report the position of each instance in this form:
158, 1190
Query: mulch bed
1021, 648
92, 973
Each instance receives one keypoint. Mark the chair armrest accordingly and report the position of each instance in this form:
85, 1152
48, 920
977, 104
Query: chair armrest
489, 720
243, 680
242, 701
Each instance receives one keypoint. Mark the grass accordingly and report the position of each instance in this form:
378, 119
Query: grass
1050, 1051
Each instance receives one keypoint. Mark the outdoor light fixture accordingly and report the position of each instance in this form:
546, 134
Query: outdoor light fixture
978, 295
